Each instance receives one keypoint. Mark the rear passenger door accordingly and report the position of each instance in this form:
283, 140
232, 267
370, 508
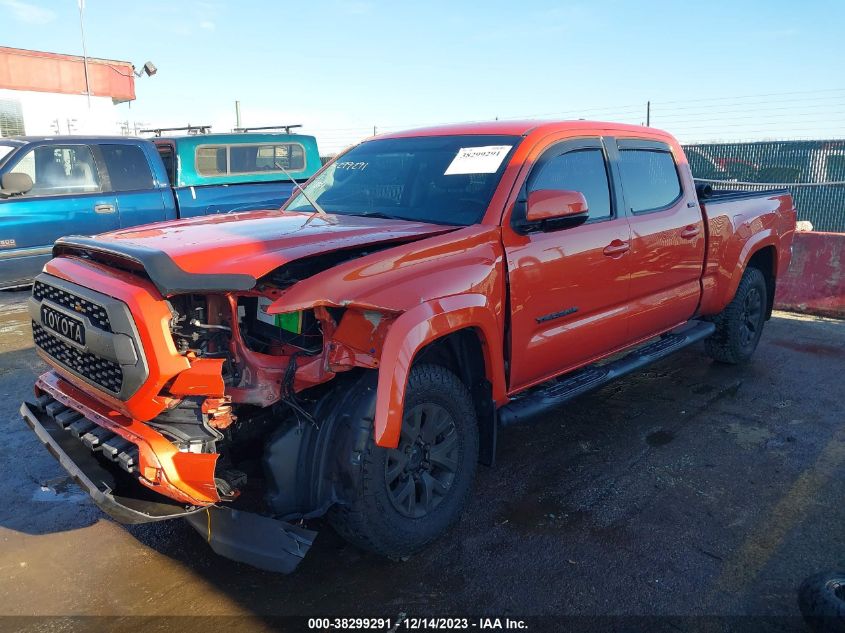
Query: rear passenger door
138, 195
667, 237
68, 196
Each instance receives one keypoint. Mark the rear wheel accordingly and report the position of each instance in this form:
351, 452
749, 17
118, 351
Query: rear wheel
409, 495
740, 324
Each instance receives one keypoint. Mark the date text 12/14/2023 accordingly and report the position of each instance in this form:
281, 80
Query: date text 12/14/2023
410, 623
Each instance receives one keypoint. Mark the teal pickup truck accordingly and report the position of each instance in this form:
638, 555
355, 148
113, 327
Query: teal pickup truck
56, 186
218, 173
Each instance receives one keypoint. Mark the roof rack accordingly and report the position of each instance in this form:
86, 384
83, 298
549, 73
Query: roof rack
190, 129
286, 128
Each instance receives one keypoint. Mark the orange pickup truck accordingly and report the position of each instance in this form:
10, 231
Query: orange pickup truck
353, 354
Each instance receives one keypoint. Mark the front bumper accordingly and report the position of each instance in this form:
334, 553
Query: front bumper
115, 488
121, 497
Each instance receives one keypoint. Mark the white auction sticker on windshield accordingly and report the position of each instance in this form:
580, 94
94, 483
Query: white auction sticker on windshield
478, 160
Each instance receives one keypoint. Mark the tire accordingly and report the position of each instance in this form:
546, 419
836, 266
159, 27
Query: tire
408, 496
821, 599
740, 324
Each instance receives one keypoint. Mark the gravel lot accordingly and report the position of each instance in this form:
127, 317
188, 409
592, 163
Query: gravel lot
687, 489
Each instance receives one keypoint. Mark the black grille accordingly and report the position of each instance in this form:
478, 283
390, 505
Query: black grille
105, 373
94, 312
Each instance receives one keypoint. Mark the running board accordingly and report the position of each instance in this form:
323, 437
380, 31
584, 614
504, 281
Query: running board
551, 395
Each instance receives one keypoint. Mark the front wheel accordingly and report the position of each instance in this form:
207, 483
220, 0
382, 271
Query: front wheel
740, 324
408, 496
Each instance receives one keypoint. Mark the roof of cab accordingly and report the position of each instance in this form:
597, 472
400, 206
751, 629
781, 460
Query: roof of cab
518, 128
70, 138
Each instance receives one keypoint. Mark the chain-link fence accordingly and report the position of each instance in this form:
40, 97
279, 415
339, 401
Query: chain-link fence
814, 171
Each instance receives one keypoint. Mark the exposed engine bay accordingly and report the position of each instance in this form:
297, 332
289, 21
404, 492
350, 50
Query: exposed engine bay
272, 365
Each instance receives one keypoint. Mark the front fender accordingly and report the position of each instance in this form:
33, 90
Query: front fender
415, 329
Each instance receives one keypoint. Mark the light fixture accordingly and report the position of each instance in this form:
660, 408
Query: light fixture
149, 69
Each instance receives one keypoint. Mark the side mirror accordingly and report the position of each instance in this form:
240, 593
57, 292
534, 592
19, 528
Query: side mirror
556, 204
15, 184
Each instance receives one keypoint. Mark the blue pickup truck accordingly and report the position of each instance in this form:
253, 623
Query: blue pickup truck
50, 187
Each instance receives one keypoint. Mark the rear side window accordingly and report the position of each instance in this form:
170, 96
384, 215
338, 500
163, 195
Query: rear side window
581, 170
248, 159
212, 160
240, 158
128, 167
649, 179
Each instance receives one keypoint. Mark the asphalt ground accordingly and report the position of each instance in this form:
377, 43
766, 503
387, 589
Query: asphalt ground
685, 492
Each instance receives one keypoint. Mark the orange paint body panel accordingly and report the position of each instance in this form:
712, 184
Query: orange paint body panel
203, 378
185, 477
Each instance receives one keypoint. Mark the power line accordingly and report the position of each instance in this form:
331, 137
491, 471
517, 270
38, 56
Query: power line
635, 110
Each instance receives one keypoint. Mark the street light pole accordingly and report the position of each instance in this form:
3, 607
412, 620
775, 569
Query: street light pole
84, 51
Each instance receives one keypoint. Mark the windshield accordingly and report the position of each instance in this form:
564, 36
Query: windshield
437, 179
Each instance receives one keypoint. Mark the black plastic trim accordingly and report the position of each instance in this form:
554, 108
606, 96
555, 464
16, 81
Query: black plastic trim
253, 539
85, 470
167, 276
728, 195
121, 345
550, 395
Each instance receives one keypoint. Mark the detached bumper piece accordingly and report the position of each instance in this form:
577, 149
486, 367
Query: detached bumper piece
250, 538
105, 466
111, 478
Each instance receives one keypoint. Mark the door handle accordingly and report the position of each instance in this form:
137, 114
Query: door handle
616, 248
103, 208
690, 231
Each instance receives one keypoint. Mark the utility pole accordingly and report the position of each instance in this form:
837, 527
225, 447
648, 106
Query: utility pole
237, 114
375, 131
84, 51
648, 113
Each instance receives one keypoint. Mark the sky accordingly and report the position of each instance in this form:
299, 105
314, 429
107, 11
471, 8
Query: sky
715, 70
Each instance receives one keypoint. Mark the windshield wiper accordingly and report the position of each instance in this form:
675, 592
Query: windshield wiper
378, 214
317, 208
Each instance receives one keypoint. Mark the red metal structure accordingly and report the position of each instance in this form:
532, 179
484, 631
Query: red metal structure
39, 71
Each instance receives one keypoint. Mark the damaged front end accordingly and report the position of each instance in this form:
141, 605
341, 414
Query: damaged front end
209, 405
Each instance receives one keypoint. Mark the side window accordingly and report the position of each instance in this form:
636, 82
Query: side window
248, 159
59, 170
211, 160
649, 179
581, 170
242, 158
128, 167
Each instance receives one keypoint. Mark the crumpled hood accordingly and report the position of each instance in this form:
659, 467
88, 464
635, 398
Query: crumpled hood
241, 246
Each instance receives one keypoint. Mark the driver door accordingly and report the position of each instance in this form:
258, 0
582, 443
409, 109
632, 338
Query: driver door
569, 288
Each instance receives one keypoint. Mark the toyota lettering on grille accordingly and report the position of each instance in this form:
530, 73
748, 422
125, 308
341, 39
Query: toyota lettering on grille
68, 327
